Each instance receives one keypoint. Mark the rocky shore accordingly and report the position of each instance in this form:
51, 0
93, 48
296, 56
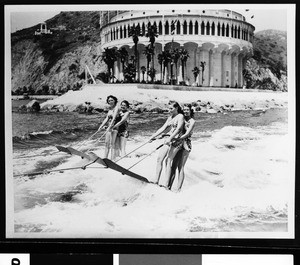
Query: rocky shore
93, 99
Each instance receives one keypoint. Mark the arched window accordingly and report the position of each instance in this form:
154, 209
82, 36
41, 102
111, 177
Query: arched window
235, 32
124, 31
128, 29
160, 28
184, 27
227, 30
167, 28
213, 29
202, 28
117, 33
191, 28
111, 35
232, 31
196, 27
219, 29
178, 28
114, 34
239, 32
207, 28
121, 33
143, 29
223, 30
154, 24
173, 27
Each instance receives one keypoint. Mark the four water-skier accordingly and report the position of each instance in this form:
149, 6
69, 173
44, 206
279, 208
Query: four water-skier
183, 154
176, 122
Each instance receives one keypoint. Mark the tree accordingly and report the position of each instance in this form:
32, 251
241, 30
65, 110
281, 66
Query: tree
122, 54
135, 33
129, 72
152, 33
143, 69
109, 56
176, 57
148, 52
202, 65
183, 55
151, 72
160, 61
166, 60
196, 72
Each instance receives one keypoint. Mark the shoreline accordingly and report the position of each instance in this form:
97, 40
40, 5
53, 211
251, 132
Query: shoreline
150, 98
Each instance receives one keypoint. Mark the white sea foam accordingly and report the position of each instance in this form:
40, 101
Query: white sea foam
236, 181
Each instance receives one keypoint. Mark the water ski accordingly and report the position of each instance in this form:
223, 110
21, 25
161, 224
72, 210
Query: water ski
73, 151
123, 170
97, 159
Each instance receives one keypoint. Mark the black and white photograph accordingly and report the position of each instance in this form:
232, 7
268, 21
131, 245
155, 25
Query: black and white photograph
150, 121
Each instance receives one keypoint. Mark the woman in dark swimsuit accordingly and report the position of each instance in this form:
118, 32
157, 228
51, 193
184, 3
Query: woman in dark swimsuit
182, 156
122, 127
175, 122
111, 119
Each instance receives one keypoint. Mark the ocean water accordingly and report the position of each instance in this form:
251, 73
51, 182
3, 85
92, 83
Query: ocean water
236, 180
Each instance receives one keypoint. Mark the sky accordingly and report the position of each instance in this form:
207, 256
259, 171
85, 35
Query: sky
266, 16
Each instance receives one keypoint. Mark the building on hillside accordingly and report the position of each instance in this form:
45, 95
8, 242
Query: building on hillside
219, 40
43, 29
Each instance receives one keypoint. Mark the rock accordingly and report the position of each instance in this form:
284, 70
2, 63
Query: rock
211, 111
157, 110
33, 106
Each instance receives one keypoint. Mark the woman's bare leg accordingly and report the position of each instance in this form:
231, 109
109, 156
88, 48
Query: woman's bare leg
171, 154
174, 166
107, 144
159, 164
185, 155
113, 144
123, 141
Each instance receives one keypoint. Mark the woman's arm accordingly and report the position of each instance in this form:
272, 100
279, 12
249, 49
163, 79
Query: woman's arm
161, 129
124, 118
103, 123
116, 110
189, 130
180, 123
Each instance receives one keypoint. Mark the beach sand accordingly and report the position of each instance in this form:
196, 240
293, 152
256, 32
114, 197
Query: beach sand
153, 99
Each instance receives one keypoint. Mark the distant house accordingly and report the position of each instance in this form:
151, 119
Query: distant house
43, 29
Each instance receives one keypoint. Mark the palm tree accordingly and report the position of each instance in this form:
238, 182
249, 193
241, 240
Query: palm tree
166, 60
160, 61
183, 55
196, 72
148, 52
151, 72
202, 65
152, 33
109, 56
176, 57
143, 69
135, 33
122, 53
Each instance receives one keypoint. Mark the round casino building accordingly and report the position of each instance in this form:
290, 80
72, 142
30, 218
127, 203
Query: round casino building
221, 40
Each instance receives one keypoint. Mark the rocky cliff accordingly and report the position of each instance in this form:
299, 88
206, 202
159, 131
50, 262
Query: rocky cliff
57, 62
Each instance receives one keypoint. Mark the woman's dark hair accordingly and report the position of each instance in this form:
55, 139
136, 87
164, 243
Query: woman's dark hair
178, 107
126, 103
113, 97
191, 110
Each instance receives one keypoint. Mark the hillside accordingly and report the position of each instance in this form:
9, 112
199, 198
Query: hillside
57, 63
